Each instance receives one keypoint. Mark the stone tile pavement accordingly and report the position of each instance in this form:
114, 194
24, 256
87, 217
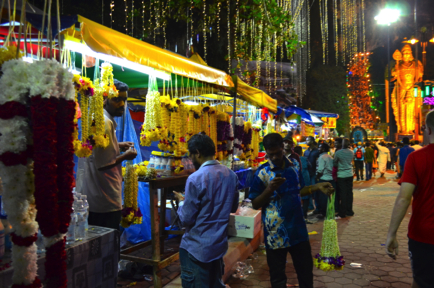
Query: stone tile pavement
361, 240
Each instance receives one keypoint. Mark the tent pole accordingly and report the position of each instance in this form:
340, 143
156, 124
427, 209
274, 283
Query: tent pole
234, 115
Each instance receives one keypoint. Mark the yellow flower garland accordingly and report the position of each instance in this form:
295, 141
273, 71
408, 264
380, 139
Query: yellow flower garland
8, 53
130, 198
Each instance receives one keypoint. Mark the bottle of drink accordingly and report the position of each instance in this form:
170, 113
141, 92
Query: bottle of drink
70, 235
86, 206
169, 164
80, 230
151, 163
157, 163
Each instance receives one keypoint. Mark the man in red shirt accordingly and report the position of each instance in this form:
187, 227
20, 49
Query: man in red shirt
417, 182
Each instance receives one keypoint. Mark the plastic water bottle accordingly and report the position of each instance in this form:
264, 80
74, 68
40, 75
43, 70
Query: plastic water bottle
80, 229
151, 163
70, 235
157, 163
2, 241
86, 206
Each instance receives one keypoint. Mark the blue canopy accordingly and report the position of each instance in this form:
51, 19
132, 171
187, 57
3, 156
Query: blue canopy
320, 114
299, 111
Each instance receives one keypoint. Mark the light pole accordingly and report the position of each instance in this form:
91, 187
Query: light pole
388, 16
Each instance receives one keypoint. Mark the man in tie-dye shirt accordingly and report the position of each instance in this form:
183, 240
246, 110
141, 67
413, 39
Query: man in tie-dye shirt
276, 188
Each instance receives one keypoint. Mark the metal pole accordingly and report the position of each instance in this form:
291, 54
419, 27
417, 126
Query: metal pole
234, 115
389, 71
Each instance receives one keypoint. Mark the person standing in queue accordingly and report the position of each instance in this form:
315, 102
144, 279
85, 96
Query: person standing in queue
102, 177
211, 194
343, 161
312, 155
276, 188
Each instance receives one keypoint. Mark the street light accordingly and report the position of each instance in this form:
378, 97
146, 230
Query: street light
388, 16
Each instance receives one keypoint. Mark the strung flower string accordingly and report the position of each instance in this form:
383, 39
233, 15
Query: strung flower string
330, 257
131, 212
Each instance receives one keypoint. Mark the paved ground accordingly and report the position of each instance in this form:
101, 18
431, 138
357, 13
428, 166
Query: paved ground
361, 240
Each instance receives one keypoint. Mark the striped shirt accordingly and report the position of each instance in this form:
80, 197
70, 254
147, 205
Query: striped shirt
343, 160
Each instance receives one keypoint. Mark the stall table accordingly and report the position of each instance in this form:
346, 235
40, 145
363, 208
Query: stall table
158, 232
91, 262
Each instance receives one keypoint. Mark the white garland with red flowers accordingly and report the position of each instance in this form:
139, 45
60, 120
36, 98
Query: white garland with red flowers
17, 178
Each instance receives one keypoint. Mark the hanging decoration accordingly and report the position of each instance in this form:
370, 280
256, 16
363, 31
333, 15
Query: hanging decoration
49, 143
131, 213
16, 171
361, 97
153, 123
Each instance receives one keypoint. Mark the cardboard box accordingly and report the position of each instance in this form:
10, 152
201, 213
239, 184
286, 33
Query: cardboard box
245, 226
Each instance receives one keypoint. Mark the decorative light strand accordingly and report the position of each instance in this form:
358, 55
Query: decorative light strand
219, 6
143, 19
112, 5
132, 18
229, 35
204, 30
126, 17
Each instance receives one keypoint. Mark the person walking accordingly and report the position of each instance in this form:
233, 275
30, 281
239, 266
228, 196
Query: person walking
383, 157
210, 196
369, 159
404, 152
343, 161
417, 182
324, 174
359, 158
305, 166
102, 171
276, 188
312, 154
288, 143
416, 145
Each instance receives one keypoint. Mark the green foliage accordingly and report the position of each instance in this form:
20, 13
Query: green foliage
326, 91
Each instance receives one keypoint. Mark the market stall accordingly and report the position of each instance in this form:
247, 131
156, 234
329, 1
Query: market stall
178, 91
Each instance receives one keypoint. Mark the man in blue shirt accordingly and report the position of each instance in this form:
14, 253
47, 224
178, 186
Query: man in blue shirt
359, 157
210, 196
276, 188
404, 152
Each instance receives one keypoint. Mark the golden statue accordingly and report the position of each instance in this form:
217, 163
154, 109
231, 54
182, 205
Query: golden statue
403, 100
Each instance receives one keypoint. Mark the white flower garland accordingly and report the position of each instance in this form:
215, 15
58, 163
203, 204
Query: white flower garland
18, 179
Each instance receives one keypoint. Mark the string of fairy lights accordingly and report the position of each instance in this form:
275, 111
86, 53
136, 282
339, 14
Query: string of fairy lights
249, 39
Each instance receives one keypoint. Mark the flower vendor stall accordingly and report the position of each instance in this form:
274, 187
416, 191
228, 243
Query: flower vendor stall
182, 98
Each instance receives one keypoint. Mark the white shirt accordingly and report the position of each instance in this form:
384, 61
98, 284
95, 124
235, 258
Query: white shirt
103, 188
325, 167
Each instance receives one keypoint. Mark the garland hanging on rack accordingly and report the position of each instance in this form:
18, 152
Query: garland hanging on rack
131, 213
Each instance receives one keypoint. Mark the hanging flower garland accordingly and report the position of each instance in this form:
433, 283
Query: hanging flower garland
153, 122
15, 171
239, 134
131, 212
330, 257
52, 114
52, 108
84, 86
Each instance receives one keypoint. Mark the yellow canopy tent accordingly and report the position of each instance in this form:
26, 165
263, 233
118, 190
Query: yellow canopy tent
107, 41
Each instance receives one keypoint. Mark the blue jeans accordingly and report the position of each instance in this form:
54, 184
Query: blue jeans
196, 274
368, 168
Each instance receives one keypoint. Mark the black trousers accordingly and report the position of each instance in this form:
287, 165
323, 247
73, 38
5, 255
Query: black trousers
108, 220
345, 187
301, 255
359, 169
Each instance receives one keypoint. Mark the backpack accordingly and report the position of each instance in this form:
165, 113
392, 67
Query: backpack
359, 154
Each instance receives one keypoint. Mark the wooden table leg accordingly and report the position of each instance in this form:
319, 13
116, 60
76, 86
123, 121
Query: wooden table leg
162, 218
155, 234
